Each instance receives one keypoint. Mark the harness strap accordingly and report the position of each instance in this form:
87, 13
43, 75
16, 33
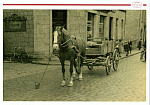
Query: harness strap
65, 42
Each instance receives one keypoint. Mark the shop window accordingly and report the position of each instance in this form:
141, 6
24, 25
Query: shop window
90, 27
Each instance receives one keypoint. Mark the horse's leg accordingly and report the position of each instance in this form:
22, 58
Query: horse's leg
75, 66
71, 71
63, 72
81, 63
74, 72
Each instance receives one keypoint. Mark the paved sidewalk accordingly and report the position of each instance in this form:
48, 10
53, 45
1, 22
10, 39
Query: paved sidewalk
133, 52
55, 61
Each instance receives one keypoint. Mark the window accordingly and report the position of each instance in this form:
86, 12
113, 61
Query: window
101, 27
116, 28
121, 29
110, 28
90, 27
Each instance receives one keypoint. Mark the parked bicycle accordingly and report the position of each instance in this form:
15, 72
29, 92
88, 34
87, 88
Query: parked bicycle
20, 55
143, 55
143, 52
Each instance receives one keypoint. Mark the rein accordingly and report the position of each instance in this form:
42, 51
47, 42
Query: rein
65, 43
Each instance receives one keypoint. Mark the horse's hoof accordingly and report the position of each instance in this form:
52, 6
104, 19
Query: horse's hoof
63, 83
80, 79
70, 84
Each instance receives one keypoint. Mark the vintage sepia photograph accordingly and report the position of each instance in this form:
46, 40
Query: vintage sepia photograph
74, 55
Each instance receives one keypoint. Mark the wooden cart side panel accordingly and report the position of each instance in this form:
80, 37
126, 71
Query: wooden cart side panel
109, 46
104, 47
92, 50
95, 50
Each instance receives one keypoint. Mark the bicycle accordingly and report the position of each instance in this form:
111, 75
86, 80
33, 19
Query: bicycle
20, 55
143, 55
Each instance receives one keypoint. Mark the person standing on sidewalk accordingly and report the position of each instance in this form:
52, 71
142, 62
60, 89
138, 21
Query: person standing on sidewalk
117, 47
144, 48
139, 44
130, 45
126, 48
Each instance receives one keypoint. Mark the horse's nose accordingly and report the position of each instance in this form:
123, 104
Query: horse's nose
55, 47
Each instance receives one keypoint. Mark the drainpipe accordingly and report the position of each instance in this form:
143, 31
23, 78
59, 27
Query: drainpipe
124, 28
140, 24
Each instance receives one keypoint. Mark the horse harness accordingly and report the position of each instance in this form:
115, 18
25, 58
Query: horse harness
73, 40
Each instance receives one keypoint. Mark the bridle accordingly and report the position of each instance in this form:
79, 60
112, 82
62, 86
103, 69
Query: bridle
66, 42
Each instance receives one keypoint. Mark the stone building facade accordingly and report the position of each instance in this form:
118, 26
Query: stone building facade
91, 25
16, 39
134, 26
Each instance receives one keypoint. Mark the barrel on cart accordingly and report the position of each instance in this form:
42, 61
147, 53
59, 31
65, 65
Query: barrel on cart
102, 54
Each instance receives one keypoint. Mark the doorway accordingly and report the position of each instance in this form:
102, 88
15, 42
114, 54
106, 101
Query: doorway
59, 18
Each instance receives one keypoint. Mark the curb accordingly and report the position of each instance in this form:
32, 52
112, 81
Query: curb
129, 55
34, 62
50, 63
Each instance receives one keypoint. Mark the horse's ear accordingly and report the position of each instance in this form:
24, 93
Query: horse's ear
63, 26
54, 27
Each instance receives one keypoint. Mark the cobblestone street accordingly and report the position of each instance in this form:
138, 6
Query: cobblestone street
126, 84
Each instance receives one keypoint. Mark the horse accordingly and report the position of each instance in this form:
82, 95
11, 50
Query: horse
69, 48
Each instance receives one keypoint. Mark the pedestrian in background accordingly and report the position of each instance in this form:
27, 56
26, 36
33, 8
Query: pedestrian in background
139, 44
117, 47
144, 48
126, 48
130, 45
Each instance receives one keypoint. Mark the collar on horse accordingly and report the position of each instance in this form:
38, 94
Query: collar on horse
73, 46
71, 37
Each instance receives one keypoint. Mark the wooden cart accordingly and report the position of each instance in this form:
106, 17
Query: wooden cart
104, 54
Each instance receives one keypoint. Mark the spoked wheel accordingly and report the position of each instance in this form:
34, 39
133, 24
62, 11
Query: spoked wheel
90, 67
24, 58
115, 59
108, 65
14, 57
142, 56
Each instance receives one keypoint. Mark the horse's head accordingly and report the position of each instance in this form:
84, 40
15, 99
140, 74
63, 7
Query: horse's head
58, 37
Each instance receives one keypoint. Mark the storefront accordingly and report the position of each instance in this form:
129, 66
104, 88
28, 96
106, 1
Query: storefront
91, 25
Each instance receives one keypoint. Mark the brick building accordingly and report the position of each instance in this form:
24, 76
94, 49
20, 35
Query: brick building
90, 24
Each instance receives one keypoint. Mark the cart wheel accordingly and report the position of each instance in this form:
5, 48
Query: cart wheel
115, 59
108, 65
24, 58
13, 57
90, 67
